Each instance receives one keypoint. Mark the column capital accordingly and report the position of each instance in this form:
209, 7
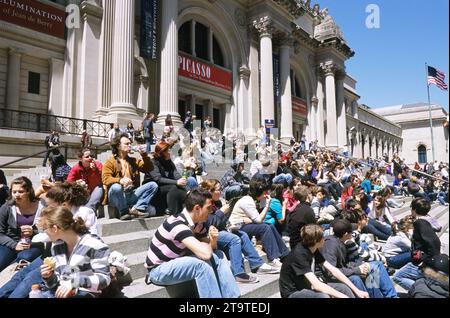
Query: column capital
264, 26
328, 68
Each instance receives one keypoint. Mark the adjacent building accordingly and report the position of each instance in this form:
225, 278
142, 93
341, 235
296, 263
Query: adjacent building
239, 62
414, 120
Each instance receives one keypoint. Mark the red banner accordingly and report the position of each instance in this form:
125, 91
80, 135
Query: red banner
204, 72
299, 107
34, 15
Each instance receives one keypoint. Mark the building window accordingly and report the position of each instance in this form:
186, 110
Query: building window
422, 150
184, 38
295, 86
34, 83
217, 53
201, 41
201, 37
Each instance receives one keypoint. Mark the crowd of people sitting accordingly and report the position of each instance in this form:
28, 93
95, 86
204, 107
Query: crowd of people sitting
325, 221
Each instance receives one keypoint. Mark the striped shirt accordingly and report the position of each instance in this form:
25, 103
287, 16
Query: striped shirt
87, 266
167, 245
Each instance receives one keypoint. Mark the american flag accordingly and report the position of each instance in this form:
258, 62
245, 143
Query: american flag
437, 78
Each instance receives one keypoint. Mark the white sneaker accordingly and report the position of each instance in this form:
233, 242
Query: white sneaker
275, 263
267, 269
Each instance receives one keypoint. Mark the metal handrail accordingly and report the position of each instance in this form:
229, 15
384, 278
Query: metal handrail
95, 148
39, 122
28, 157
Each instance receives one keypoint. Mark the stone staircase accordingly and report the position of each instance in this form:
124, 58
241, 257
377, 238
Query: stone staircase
132, 239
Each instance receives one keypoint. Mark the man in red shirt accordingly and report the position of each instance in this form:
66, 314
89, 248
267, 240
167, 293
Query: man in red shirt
89, 171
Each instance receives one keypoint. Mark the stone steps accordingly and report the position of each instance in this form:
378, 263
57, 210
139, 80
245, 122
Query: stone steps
267, 286
132, 239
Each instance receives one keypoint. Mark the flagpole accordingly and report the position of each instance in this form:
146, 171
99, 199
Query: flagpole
429, 111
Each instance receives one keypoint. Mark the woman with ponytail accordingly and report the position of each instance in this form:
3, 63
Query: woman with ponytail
79, 266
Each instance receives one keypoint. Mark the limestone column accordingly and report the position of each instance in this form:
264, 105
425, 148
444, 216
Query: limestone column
13, 80
168, 101
242, 110
123, 60
313, 117
286, 133
56, 86
253, 120
341, 113
332, 134
320, 104
230, 118
264, 26
193, 50
380, 148
105, 59
70, 72
88, 94
366, 146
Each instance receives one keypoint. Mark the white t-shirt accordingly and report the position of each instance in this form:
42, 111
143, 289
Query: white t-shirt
244, 207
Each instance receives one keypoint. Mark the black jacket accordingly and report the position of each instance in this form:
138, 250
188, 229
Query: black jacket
163, 173
425, 239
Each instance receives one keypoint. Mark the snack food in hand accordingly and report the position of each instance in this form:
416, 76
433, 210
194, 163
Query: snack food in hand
49, 261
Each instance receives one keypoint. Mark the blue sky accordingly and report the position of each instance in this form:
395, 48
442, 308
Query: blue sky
389, 64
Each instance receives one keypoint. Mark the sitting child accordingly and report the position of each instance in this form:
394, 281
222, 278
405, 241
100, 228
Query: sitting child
361, 245
397, 249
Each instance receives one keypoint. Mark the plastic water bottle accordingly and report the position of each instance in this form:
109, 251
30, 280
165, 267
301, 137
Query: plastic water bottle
35, 292
254, 241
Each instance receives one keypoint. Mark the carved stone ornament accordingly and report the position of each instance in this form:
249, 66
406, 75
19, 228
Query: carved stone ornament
328, 68
327, 29
264, 26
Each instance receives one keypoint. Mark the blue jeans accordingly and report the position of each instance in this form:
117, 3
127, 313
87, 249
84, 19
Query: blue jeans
213, 278
272, 242
400, 260
139, 198
9, 256
407, 275
380, 230
393, 203
96, 198
234, 245
191, 184
283, 178
377, 283
20, 284
441, 198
